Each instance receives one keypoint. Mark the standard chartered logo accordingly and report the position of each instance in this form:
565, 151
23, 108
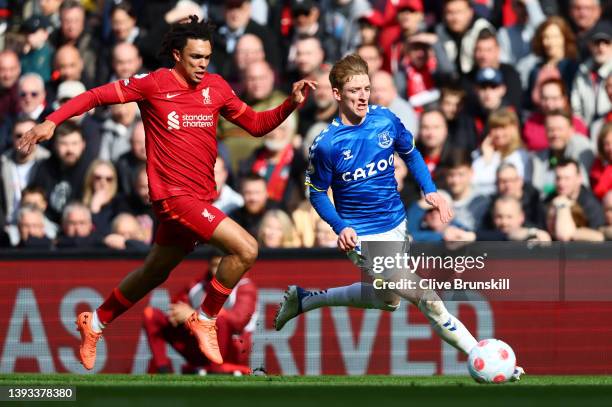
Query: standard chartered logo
173, 121
189, 120
197, 120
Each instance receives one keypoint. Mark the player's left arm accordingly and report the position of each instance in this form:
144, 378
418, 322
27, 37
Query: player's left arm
259, 124
405, 147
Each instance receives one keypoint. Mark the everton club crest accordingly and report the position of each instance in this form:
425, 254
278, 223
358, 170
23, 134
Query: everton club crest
384, 140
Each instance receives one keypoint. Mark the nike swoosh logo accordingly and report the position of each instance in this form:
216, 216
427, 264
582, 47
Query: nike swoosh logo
169, 96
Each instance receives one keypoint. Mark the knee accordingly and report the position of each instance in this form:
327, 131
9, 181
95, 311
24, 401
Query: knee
248, 252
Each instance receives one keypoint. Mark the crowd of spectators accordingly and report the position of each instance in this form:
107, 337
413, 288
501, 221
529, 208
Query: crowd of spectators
510, 102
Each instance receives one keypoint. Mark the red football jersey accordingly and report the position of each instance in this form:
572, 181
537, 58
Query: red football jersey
180, 125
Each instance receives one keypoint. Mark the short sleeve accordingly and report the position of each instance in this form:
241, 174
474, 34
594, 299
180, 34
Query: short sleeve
320, 170
232, 107
404, 141
135, 88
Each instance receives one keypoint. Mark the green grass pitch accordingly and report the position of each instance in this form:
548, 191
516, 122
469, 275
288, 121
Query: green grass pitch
320, 391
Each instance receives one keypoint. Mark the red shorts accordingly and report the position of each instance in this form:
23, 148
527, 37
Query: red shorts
185, 221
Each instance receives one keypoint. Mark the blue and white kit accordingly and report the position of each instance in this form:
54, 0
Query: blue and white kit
357, 162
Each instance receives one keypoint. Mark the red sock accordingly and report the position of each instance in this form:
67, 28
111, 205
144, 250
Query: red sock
115, 305
216, 294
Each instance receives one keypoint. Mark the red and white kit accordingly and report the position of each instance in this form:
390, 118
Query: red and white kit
180, 124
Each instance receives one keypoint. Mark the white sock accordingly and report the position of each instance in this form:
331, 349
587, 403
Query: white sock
357, 295
449, 328
202, 316
96, 325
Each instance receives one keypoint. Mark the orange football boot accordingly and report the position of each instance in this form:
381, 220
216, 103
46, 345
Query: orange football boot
206, 335
89, 339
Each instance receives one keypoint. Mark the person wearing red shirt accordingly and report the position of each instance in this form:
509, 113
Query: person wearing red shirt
236, 322
180, 108
601, 172
553, 96
401, 20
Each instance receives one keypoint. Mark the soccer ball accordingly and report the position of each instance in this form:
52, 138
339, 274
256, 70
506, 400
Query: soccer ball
491, 361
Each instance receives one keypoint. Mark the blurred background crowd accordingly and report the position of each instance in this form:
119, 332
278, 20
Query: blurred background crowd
509, 101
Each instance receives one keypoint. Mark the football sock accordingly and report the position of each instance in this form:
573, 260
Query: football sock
96, 325
358, 295
216, 294
449, 328
203, 317
115, 305
362, 295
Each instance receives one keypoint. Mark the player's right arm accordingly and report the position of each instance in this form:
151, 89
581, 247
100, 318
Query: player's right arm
112, 93
318, 180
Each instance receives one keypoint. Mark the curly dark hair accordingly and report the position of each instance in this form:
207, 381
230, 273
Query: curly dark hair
179, 33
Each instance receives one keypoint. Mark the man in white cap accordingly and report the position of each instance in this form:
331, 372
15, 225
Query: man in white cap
90, 126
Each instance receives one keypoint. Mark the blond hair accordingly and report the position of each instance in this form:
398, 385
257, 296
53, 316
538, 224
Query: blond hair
343, 70
506, 117
290, 238
89, 178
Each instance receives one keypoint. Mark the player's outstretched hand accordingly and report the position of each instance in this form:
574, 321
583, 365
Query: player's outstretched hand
441, 205
40, 132
347, 239
300, 90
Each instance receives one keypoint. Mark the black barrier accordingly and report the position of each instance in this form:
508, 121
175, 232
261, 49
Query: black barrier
501, 250
199, 253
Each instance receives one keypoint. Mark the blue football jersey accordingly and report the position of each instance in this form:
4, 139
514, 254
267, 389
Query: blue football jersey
357, 162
